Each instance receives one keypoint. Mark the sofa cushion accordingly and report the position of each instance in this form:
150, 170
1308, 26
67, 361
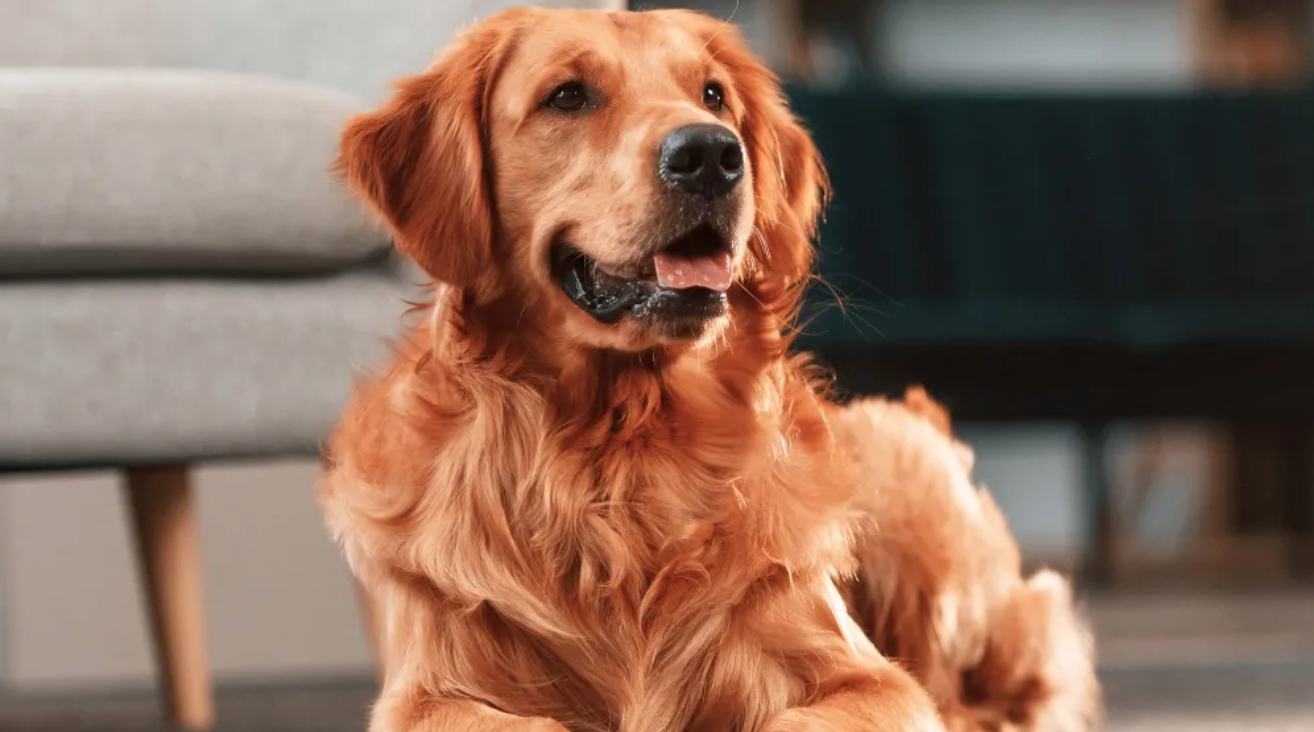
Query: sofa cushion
157, 370
170, 170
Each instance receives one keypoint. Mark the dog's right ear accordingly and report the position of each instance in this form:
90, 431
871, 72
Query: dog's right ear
419, 160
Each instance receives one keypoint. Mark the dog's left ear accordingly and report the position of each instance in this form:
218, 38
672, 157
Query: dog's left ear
789, 180
420, 159
793, 189
792, 178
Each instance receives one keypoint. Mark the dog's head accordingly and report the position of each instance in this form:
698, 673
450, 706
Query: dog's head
630, 179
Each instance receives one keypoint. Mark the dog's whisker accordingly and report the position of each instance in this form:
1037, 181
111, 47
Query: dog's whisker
762, 241
520, 319
724, 24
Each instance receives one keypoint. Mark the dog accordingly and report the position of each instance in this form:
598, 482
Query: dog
595, 490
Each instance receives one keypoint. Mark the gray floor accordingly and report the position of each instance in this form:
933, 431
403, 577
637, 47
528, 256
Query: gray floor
1204, 661
1263, 696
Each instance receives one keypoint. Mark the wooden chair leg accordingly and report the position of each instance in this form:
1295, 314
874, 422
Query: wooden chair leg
375, 616
169, 554
1101, 555
1298, 499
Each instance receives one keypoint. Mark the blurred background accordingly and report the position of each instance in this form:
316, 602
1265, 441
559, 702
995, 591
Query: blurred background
1085, 225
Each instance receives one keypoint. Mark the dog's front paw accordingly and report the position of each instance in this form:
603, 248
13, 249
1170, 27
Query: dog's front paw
968, 719
827, 720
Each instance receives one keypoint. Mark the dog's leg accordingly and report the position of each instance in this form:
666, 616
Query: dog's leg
883, 701
853, 688
419, 711
940, 584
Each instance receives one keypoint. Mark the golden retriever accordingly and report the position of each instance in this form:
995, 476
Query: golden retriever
594, 491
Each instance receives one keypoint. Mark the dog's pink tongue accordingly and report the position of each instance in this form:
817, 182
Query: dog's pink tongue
682, 272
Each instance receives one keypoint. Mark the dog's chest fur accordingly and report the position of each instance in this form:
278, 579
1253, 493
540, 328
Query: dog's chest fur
647, 539
596, 571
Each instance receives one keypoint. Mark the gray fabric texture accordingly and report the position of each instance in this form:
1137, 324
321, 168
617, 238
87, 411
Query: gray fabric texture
356, 45
113, 171
108, 373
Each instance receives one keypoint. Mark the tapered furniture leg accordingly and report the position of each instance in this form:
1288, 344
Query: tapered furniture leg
164, 525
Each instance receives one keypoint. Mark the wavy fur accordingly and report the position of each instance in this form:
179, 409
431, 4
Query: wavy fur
573, 527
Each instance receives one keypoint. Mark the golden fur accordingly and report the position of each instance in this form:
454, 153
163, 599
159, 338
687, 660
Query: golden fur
940, 586
615, 528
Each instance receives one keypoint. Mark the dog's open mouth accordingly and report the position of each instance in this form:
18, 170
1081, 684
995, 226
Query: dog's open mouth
686, 279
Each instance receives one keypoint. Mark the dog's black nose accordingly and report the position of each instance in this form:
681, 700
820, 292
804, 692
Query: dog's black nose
704, 160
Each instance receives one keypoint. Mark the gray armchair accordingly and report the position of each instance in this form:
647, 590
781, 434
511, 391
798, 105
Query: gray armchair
180, 278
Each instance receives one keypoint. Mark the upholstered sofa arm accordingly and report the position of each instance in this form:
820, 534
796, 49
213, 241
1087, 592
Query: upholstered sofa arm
130, 170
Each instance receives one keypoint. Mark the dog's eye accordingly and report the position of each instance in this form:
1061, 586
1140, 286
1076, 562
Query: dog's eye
569, 97
713, 96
